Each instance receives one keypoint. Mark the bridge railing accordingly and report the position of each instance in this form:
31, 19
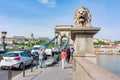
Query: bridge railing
86, 70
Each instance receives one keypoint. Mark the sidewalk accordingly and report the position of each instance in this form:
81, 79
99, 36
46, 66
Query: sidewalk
49, 73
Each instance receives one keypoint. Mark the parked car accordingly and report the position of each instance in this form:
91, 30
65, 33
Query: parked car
16, 59
35, 55
35, 49
1, 54
0, 57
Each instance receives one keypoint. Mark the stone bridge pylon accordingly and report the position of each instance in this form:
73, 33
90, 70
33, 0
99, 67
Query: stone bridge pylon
81, 33
63, 31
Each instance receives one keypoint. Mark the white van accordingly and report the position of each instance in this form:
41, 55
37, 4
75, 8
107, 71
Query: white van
35, 48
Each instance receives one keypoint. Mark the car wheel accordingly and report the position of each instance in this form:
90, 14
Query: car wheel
21, 66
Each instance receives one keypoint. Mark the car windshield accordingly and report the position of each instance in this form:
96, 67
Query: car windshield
35, 48
10, 54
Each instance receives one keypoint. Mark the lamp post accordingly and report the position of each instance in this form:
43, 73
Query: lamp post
3, 34
56, 40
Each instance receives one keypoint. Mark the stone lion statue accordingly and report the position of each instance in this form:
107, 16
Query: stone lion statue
82, 17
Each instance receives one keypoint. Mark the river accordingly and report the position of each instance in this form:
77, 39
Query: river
110, 62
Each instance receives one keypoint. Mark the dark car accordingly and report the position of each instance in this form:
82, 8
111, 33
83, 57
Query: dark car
0, 57
35, 55
1, 54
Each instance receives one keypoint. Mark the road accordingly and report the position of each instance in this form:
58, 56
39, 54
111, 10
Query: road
4, 73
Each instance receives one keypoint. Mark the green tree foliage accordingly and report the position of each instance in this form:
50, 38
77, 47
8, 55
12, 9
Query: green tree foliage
117, 42
30, 44
50, 45
100, 43
119, 51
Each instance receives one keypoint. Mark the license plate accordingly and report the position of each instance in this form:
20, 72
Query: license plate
8, 60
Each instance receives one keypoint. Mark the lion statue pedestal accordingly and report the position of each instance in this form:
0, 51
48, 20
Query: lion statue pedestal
82, 33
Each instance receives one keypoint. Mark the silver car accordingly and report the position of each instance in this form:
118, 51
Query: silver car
16, 59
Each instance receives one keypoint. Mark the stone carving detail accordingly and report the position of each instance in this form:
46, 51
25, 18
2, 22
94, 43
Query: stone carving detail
82, 17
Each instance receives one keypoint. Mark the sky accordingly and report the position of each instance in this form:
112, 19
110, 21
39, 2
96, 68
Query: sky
23, 17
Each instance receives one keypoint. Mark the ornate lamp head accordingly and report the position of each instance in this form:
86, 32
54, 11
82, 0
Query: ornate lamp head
56, 34
3, 34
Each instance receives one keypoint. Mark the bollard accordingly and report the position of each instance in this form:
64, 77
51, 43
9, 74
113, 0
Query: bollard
9, 73
74, 64
23, 70
37, 64
32, 67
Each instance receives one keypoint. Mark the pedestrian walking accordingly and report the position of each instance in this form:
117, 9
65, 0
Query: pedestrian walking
41, 57
68, 54
63, 58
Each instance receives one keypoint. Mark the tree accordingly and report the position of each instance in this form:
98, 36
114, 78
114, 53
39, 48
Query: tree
100, 43
119, 51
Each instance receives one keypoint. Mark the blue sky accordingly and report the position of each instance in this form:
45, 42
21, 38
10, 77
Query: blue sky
21, 17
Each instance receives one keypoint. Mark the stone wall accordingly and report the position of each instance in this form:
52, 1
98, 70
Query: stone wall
86, 70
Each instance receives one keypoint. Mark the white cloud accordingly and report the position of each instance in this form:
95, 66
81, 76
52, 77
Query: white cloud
50, 3
43, 1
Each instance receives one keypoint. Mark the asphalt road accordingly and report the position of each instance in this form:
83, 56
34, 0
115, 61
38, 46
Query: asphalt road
4, 73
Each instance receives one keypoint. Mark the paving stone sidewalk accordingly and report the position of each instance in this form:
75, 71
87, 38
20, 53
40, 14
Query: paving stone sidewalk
49, 73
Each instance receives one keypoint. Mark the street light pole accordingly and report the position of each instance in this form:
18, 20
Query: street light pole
3, 42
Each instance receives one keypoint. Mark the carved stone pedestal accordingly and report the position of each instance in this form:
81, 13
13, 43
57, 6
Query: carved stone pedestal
83, 41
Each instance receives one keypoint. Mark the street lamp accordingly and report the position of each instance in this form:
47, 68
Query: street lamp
56, 40
56, 34
3, 34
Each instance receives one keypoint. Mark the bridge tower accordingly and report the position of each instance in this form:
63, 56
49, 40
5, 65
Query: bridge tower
64, 31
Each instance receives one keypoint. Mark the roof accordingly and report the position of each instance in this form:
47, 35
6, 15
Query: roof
15, 51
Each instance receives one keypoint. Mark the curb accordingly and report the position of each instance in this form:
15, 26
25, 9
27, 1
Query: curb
28, 74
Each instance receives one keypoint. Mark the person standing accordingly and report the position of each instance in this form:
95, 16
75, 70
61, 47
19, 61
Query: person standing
71, 53
63, 58
41, 57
